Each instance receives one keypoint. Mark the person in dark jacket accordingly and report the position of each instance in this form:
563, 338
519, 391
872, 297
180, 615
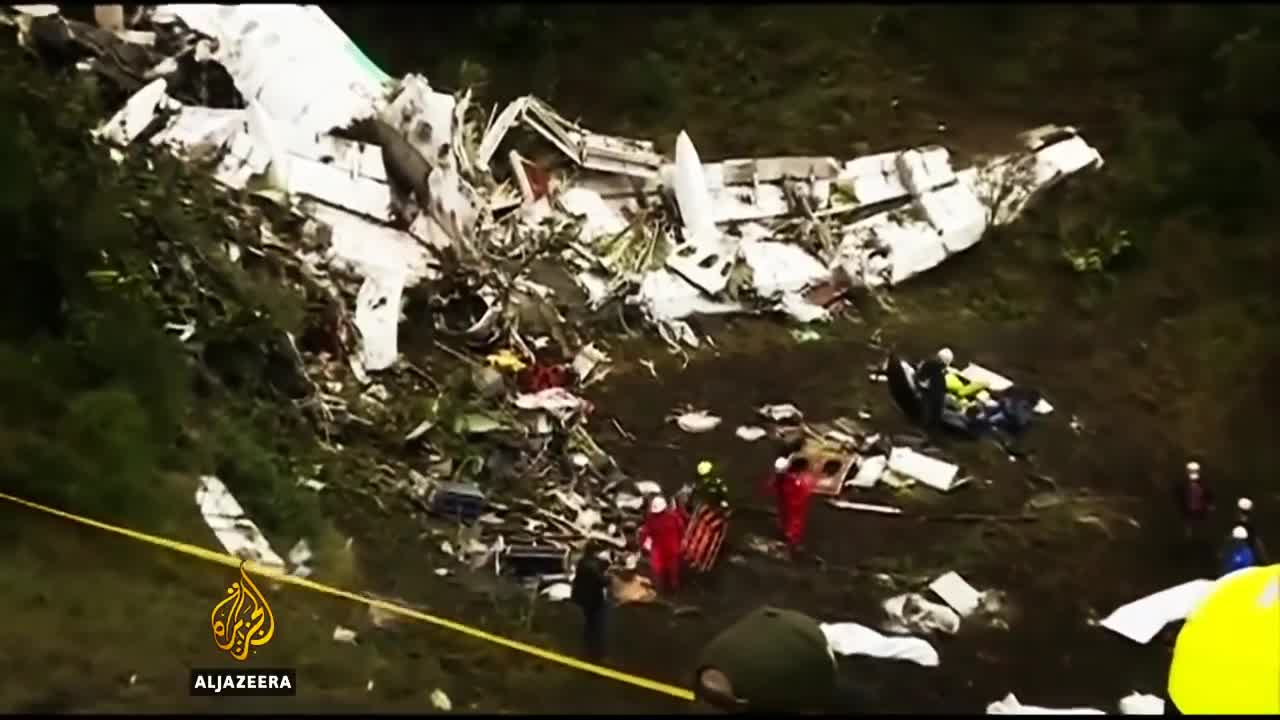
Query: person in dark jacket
591, 594
1195, 501
770, 661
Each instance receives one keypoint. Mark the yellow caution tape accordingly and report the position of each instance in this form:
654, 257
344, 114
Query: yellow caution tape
279, 575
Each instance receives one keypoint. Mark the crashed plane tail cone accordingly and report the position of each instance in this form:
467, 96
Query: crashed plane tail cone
1227, 656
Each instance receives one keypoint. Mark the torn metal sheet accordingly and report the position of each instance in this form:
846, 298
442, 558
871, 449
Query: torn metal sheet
342, 173
293, 59
424, 117
599, 219
870, 472
377, 317
1144, 618
603, 153
937, 474
778, 268
706, 257
36, 10
369, 248
238, 534
666, 296
750, 433
957, 593
848, 638
1008, 184
138, 112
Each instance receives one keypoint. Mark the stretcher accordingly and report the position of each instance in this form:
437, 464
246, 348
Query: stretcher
704, 537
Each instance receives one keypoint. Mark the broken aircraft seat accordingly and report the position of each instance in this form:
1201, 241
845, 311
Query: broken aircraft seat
462, 501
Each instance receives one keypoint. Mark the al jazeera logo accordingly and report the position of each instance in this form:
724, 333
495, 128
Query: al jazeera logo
242, 622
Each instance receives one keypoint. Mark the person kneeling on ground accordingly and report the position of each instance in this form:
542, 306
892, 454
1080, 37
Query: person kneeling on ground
591, 594
771, 661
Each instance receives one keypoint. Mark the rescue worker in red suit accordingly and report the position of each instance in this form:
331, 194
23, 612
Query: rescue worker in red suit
661, 534
795, 487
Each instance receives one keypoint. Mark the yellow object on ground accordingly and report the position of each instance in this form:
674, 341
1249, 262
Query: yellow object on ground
506, 360
1227, 657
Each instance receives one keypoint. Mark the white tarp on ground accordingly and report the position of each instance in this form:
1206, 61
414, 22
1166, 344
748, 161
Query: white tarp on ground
848, 638
293, 59
237, 533
1144, 618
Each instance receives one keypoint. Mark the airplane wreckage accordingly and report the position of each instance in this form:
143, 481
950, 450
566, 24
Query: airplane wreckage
496, 221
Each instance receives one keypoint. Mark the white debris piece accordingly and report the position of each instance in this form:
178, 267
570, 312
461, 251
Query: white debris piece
237, 533
850, 638
599, 219
424, 117
698, 421
559, 402
557, 592
648, 487
865, 507
440, 701
1141, 704
707, 256
750, 433
309, 76
367, 248
126, 125
666, 296
36, 10
781, 413
588, 359
300, 553
954, 591
594, 151
1011, 706
778, 268
913, 613
344, 635
801, 310
627, 501
342, 173
378, 318
870, 472
1144, 618
935, 473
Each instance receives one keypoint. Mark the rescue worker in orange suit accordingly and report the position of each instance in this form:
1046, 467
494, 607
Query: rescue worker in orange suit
795, 487
661, 533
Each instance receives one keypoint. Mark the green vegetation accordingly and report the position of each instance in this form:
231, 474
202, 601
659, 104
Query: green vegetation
101, 402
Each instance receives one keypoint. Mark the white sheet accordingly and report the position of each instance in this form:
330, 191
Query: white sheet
1142, 619
853, 639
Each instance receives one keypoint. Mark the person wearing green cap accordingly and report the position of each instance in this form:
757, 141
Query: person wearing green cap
772, 660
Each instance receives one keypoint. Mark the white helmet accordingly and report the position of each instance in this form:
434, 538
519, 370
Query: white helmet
1244, 504
780, 465
1193, 468
946, 356
1239, 533
658, 504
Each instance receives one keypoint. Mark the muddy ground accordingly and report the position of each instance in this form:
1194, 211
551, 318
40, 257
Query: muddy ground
1143, 362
